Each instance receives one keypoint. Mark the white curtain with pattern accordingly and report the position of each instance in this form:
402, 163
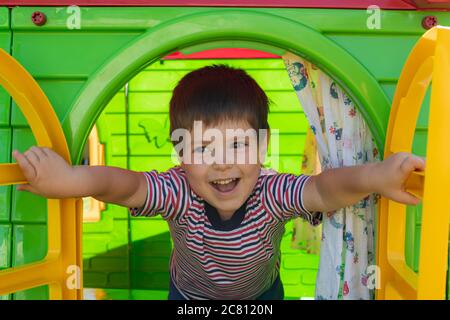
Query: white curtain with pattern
343, 139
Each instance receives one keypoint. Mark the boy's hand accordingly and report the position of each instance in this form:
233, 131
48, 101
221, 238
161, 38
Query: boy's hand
48, 174
389, 177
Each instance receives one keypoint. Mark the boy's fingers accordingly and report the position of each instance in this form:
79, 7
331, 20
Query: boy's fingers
32, 157
46, 151
419, 163
27, 167
24, 187
410, 199
39, 152
412, 163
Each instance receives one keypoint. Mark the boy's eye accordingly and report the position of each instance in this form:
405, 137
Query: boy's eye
239, 144
202, 149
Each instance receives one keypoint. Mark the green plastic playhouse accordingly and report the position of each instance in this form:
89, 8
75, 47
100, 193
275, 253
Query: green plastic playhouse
111, 72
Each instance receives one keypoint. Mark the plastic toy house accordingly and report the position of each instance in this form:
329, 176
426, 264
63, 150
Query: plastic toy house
112, 64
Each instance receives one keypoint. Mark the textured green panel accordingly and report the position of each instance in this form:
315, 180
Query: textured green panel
162, 163
119, 279
156, 81
306, 261
5, 107
139, 18
95, 279
39, 293
95, 244
149, 101
283, 101
148, 81
5, 246
104, 226
149, 294
297, 122
298, 269
5, 43
29, 243
71, 54
151, 263
151, 144
109, 264
425, 109
117, 161
117, 103
117, 212
4, 18
389, 88
26, 207
23, 139
5, 191
143, 229
289, 144
151, 280
59, 93
5, 151
115, 122
117, 145
387, 53
150, 240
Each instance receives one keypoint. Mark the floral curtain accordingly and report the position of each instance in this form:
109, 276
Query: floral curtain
343, 139
304, 236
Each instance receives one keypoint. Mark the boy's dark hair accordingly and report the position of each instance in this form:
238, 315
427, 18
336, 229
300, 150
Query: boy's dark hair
216, 93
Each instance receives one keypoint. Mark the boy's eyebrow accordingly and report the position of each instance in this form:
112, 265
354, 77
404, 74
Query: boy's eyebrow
204, 141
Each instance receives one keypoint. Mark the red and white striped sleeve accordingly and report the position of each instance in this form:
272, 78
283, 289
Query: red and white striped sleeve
167, 194
282, 195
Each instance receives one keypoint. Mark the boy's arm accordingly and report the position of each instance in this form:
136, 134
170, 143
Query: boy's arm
50, 176
338, 188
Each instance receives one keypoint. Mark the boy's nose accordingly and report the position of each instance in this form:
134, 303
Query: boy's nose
222, 166
223, 157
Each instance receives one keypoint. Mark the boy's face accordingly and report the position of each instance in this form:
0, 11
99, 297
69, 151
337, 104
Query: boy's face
225, 164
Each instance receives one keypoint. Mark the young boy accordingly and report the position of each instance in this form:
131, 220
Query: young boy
226, 218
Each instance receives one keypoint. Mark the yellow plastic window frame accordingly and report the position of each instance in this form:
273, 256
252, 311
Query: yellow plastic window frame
61, 269
429, 61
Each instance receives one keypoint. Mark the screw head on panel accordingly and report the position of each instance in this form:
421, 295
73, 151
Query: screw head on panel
38, 18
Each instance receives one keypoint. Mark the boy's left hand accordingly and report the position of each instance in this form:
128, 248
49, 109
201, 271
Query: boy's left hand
389, 177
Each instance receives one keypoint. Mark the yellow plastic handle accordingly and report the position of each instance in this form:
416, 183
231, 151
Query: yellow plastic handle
64, 223
429, 62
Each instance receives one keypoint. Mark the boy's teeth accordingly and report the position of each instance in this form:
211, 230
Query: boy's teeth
225, 181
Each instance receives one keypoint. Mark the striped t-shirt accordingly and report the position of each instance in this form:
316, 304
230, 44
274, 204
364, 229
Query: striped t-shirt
235, 259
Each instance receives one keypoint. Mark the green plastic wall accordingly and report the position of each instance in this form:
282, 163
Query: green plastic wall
133, 253
63, 61
5, 147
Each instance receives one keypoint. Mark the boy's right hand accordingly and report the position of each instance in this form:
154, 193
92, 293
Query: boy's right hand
48, 174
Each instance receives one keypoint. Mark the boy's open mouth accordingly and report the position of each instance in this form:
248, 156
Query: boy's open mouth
225, 185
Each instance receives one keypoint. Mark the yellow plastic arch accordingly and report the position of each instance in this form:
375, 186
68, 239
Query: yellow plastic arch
61, 269
428, 62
